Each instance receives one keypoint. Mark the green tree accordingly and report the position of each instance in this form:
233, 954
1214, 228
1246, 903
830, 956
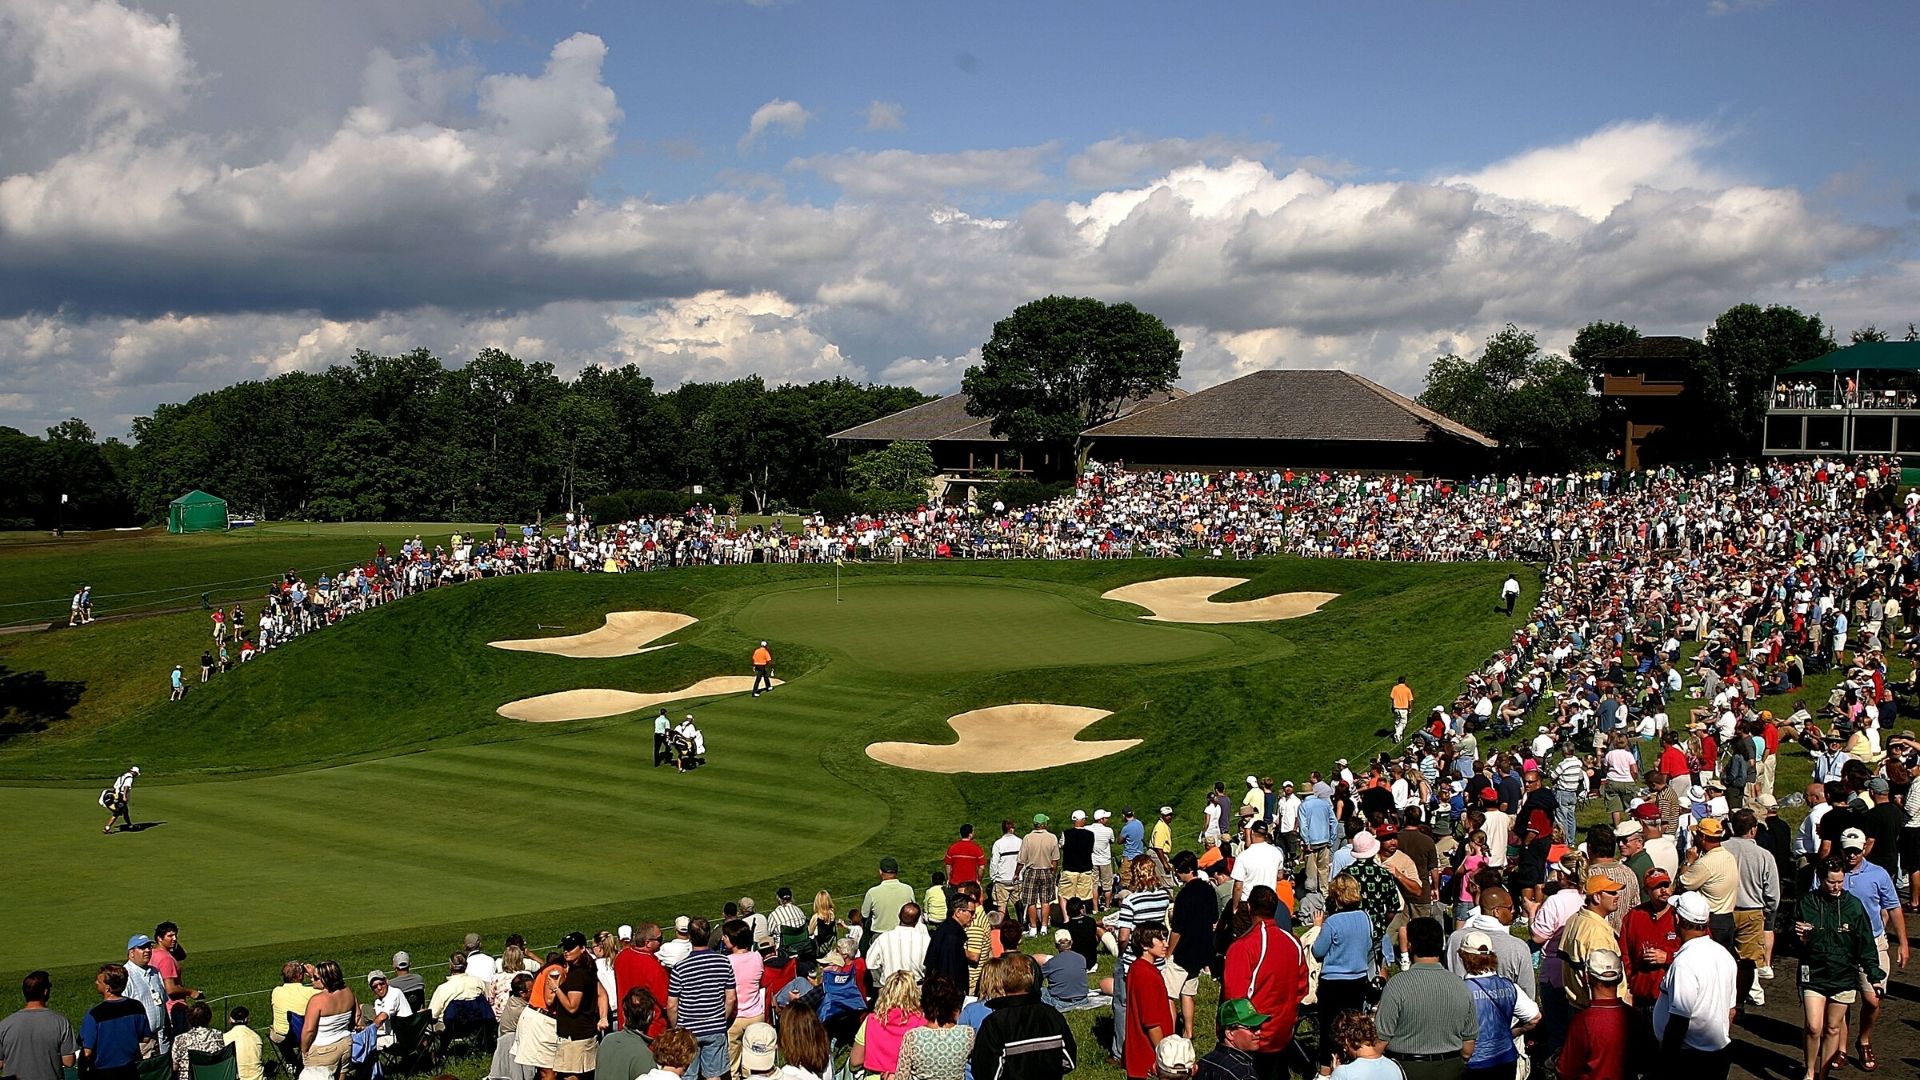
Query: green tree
899, 466
1062, 364
1596, 339
1866, 333
1733, 378
1536, 404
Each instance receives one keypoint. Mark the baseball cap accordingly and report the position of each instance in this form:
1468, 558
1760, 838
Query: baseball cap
1657, 876
1253, 781
625, 933
1766, 802
402, 960
680, 924
1041, 819
1240, 1013
1478, 943
473, 941
1599, 883
1165, 810
1692, 907
1712, 828
1879, 786
139, 941
1175, 1054
375, 974
1853, 840
1386, 829
783, 893
1626, 830
1079, 815
1647, 811
1260, 827
135, 770
1063, 938
1286, 783
1603, 965
1101, 815
757, 1047
889, 865
574, 940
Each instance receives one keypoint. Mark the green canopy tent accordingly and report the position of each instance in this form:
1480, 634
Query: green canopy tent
196, 511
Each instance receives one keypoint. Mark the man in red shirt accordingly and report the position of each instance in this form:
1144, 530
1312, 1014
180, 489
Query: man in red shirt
637, 965
1599, 1036
1266, 967
1647, 944
964, 859
1149, 1010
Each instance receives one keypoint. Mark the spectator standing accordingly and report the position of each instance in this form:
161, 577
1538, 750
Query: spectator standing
881, 907
1505, 1011
36, 1043
1426, 1015
965, 860
639, 968
701, 998
1004, 868
145, 986
749, 973
1149, 1011
1021, 1037
1039, 874
1872, 886
1102, 859
115, 1034
1600, 1038
1694, 1014
1836, 944
1267, 967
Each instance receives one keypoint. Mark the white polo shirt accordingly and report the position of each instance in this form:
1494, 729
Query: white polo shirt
1699, 986
1259, 864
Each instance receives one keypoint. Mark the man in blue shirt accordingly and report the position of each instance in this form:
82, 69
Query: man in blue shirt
112, 1032
1318, 828
1133, 836
1871, 885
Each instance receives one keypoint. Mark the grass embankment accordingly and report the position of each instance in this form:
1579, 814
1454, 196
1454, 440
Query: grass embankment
354, 792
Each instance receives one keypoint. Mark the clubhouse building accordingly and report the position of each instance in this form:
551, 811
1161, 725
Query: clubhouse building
1289, 418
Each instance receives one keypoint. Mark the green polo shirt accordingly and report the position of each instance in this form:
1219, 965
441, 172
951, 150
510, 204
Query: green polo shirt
1426, 1009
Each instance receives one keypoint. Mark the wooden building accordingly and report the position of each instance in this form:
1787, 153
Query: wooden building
965, 447
1643, 381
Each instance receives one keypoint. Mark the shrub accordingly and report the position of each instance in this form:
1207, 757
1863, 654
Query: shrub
1019, 494
834, 503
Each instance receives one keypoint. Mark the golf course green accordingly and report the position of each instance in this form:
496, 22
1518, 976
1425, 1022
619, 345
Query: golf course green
355, 791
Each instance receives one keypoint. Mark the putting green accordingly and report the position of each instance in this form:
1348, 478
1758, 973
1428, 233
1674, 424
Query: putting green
957, 627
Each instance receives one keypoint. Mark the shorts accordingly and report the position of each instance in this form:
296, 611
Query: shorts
1179, 982
1038, 887
576, 1057
1844, 997
1910, 847
1076, 885
1886, 972
536, 1044
1104, 872
1619, 794
1003, 894
1749, 935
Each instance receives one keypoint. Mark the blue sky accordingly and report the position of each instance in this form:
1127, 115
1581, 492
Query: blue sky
199, 191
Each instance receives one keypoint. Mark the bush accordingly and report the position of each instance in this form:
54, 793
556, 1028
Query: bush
1020, 494
834, 503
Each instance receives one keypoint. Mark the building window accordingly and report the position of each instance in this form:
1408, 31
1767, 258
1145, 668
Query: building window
1872, 434
1784, 433
1824, 432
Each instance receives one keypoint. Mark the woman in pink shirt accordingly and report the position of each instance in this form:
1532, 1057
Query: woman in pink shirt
896, 1011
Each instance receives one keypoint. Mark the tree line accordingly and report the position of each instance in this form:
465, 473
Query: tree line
1544, 408
399, 437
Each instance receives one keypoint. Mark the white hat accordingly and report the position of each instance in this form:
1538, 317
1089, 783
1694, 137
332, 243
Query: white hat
1692, 907
1101, 815
1079, 815
1174, 1055
763, 644
1253, 781
1166, 810
625, 933
135, 770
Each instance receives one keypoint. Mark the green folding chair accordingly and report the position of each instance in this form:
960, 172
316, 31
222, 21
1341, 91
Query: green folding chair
158, 1067
222, 1064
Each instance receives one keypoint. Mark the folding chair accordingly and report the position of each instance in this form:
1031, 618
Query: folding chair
223, 1064
414, 1047
158, 1067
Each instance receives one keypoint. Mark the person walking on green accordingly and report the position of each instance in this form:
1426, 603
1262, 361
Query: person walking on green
762, 670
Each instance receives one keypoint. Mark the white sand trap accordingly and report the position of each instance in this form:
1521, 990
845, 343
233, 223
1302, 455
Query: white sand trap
587, 704
1184, 600
626, 634
1006, 738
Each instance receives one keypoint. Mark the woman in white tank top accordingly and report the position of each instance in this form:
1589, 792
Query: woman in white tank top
326, 1039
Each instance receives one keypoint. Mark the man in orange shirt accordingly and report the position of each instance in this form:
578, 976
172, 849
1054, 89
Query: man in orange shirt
1402, 696
762, 670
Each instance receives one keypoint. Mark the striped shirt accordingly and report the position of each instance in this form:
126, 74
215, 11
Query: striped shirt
698, 986
1140, 908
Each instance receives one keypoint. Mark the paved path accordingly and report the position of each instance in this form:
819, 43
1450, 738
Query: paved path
1767, 1039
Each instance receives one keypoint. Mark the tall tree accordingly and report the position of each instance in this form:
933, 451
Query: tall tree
1062, 364
1536, 404
1733, 379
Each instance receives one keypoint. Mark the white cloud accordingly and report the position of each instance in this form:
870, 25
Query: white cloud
886, 116
786, 117
1125, 160
1592, 175
904, 174
122, 65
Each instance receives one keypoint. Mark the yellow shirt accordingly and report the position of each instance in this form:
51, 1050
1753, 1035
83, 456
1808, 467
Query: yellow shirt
246, 1052
1716, 876
288, 998
1162, 837
1585, 932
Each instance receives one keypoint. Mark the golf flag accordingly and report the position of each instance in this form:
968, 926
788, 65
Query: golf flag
63, 498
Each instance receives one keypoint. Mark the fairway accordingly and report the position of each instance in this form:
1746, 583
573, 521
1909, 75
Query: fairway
962, 627
357, 790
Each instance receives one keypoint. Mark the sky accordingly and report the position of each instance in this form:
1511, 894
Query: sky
198, 192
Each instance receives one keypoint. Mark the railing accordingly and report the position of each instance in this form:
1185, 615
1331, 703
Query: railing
1871, 400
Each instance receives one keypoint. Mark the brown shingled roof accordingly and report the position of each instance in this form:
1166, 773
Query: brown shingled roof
945, 420
1319, 405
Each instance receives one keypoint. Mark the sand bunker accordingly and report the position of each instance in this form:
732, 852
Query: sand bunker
587, 704
1184, 600
626, 634
1006, 738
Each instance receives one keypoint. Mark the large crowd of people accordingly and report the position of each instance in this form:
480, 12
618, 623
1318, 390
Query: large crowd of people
1435, 911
